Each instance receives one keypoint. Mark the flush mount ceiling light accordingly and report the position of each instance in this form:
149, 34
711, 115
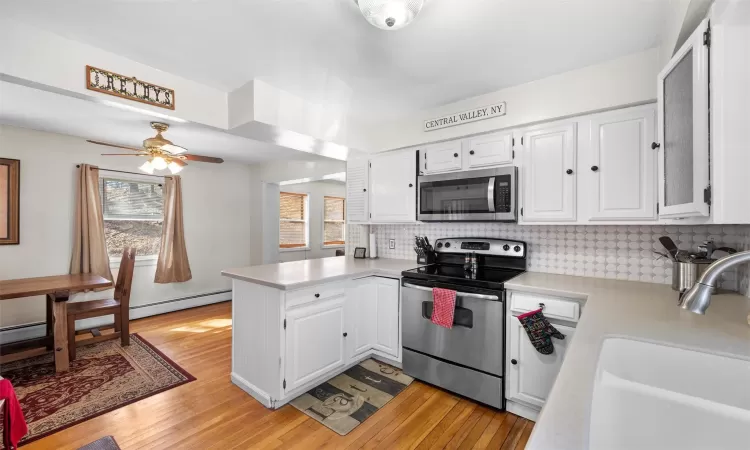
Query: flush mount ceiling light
390, 14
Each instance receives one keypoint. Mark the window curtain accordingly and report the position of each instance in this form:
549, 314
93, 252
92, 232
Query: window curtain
172, 265
89, 246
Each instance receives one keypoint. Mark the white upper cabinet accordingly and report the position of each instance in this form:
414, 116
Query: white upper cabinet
490, 150
622, 166
357, 198
548, 172
683, 105
442, 157
393, 187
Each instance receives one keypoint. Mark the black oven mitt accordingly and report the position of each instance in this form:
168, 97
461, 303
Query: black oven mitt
540, 331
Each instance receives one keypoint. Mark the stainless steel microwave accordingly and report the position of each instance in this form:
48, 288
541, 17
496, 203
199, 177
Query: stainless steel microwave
469, 196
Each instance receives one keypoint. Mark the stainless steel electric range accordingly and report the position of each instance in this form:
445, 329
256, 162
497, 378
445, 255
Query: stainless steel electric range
467, 359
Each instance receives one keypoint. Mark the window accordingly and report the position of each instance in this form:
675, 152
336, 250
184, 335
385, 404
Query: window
293, 220
334, 225
133, 213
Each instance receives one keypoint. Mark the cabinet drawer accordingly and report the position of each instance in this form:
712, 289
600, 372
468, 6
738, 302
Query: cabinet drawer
315, 293
557, 308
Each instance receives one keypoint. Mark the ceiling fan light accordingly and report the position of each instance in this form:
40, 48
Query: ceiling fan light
174, 168
147, 167
390, 14
159, 163
173, 149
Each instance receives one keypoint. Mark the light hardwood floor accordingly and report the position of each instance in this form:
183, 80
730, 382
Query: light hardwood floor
212, 413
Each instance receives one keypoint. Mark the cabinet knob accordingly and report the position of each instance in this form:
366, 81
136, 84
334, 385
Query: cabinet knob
346, 334
655, 145
411, 185
455, 155
364, 190
471, 152
317, 295
569, 171
594, 168
513, 361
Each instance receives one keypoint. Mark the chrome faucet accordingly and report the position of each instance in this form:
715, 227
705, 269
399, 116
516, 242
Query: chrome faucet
698, 298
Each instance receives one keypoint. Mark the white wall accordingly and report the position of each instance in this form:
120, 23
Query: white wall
219, 215
316, 191
624, 81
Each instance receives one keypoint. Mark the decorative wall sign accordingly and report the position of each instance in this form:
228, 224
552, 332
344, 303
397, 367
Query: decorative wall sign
131, 88
486, 112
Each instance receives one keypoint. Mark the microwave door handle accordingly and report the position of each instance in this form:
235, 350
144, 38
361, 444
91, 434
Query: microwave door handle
491, 195
458, 294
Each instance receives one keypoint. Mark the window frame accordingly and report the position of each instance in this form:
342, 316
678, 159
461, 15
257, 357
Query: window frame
323, 244
306, 221
140, 260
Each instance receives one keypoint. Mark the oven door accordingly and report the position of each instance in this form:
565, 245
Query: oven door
475, 195
477, 337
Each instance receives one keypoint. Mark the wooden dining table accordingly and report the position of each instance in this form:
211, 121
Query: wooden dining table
57, 290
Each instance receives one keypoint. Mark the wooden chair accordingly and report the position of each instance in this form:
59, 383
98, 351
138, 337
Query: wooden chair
118, 306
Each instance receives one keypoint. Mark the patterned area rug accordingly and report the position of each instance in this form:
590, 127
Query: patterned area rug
105, 376
347, 400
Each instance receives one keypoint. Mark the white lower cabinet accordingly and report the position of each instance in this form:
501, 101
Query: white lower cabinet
387, 316
530, 374
314, 341
325, 335
373, 309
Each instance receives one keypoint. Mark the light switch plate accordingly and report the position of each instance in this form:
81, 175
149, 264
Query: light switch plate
391, 244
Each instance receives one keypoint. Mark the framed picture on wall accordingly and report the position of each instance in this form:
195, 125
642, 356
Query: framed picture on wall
10, 188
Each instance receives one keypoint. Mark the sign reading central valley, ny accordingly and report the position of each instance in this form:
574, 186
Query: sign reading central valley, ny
487, 112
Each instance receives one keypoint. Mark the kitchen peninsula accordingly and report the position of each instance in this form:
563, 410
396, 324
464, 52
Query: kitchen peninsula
299, 323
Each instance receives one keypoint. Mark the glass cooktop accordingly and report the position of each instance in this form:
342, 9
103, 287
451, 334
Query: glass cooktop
489, 277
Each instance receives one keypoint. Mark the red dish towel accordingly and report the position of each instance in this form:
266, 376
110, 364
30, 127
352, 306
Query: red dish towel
14, 425
444, 306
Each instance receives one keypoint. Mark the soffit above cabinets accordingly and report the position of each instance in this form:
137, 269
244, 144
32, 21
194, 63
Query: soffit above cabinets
324, 51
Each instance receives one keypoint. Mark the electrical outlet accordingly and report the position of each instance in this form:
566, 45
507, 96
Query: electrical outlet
391, 244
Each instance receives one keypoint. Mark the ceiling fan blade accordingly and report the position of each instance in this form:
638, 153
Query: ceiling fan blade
179, 162
116, 146
125, 154
200, 158
173, 149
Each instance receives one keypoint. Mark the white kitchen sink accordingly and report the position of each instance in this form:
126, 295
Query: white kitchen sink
652, 396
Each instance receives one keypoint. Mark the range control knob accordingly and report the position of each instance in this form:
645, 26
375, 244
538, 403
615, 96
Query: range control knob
506, 247
440, 245
517, 248
447, 245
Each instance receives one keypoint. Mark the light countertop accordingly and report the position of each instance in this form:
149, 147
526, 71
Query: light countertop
628, 309
299, 274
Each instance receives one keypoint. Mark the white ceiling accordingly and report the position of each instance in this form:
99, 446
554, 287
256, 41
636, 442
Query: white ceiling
41, 110
324, 50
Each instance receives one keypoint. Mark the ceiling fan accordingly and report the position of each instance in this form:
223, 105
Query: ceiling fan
161, 153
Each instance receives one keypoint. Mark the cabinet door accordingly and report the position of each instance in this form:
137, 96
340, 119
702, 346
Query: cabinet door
531, 374
621, 175
393, 187
441, 157
491, 150
362, 309
387, 336
357, 183
549, 165
683, 130
314, 341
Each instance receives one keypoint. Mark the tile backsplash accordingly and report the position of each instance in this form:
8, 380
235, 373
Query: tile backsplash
622, 252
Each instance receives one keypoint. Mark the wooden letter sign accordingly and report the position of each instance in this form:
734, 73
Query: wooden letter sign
111, 83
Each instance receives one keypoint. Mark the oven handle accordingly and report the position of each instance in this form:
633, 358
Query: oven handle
491, 194
458, 294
